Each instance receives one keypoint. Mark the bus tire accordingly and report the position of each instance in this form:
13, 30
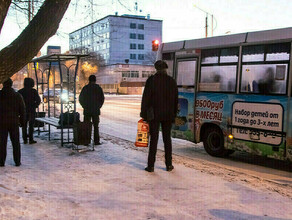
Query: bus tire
214, 142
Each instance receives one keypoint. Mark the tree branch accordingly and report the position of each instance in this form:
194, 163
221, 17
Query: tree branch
34, 36
4, 6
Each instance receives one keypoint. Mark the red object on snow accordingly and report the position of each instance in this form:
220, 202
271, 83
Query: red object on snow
142, 134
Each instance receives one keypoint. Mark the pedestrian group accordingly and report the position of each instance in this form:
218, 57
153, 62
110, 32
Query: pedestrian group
159, 107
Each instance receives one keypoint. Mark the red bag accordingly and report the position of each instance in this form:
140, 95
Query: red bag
142, 134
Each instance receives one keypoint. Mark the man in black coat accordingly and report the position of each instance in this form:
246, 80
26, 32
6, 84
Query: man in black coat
32, 100
91, 99
160, 97
12, 113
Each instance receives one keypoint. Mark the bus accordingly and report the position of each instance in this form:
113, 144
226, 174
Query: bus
234, 92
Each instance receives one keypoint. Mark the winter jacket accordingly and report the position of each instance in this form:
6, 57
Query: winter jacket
12, 108
161, 94
31, 99
91, 99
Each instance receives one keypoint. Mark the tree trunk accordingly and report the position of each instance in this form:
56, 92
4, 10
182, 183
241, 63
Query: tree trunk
34, 36
4, 6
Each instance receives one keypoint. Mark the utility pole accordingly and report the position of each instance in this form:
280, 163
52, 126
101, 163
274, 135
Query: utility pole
206, 21
206, 27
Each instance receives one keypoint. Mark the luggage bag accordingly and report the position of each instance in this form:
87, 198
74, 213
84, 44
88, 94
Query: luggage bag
82, 133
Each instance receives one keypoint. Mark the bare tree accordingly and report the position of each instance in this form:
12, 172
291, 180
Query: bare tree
151, 56
33, 37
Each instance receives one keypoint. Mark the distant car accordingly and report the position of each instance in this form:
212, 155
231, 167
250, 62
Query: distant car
64, 96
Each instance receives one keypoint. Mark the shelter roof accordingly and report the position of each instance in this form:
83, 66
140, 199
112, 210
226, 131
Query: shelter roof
58, 57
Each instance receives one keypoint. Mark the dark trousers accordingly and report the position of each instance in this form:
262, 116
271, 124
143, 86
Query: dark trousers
166, 136
13, 131
30, 119
95, 121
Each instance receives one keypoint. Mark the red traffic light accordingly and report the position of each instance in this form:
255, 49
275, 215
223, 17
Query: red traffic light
155, 45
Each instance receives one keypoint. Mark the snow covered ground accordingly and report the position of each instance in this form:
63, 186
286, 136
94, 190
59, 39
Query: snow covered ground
110, 183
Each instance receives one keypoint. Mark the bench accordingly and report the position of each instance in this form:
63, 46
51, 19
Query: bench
52, 121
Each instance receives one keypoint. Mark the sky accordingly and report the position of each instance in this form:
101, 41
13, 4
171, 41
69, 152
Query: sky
182, 19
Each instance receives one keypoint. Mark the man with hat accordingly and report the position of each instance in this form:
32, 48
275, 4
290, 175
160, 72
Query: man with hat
159, 107
91, 99
12, 113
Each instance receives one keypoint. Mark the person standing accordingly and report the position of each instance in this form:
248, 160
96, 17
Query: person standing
91, 99
12, 113
159, 107
32, 100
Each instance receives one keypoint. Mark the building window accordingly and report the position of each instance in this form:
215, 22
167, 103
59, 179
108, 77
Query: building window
141, 36
140, 56
146, 74
132, 25
132, 36
134, 74
133, 56
126, 74
141, 26
141, 46
132, 46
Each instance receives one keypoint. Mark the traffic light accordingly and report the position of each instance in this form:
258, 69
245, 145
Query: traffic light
155, 45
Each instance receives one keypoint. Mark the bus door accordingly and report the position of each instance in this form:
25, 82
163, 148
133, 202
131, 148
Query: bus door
185, 75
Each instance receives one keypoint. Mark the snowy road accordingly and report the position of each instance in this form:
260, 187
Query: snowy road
120, 114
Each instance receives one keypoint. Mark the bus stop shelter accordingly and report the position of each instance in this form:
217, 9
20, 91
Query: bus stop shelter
50, 64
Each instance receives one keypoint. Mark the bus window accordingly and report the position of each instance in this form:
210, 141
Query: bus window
253, 54
186, 73
218, 78
264, 78
278, 52
218, 70
210, 56
229, 55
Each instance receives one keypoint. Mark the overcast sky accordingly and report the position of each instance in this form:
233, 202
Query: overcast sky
181, 18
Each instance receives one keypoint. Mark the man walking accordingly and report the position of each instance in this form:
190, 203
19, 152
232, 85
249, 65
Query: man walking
32, 100
91, 99
12, 113
159, 107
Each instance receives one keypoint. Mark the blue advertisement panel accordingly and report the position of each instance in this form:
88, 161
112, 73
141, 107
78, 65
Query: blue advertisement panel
184, 122
256, 122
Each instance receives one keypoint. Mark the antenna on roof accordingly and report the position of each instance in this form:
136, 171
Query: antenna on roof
136, 8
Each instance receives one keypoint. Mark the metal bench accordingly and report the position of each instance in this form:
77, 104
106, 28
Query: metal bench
52, 121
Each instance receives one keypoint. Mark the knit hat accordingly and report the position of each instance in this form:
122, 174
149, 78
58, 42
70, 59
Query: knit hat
8, 83
160, 65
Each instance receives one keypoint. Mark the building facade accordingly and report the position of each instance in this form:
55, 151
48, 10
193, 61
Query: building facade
119, 39
124, 78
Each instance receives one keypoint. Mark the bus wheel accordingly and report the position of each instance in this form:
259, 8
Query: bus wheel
214, 142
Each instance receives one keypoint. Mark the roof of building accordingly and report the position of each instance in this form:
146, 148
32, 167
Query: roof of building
117, 16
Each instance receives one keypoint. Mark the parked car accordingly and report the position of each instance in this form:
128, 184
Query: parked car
49, 94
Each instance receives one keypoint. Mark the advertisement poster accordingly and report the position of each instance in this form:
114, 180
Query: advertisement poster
265, 119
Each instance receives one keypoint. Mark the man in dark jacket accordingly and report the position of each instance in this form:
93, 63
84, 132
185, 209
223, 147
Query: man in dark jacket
32, 100
12, 113
91, 99
160, 97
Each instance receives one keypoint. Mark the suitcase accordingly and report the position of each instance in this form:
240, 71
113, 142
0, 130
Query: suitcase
82, 133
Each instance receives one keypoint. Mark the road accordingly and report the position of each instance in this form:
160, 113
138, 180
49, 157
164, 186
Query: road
119, 117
